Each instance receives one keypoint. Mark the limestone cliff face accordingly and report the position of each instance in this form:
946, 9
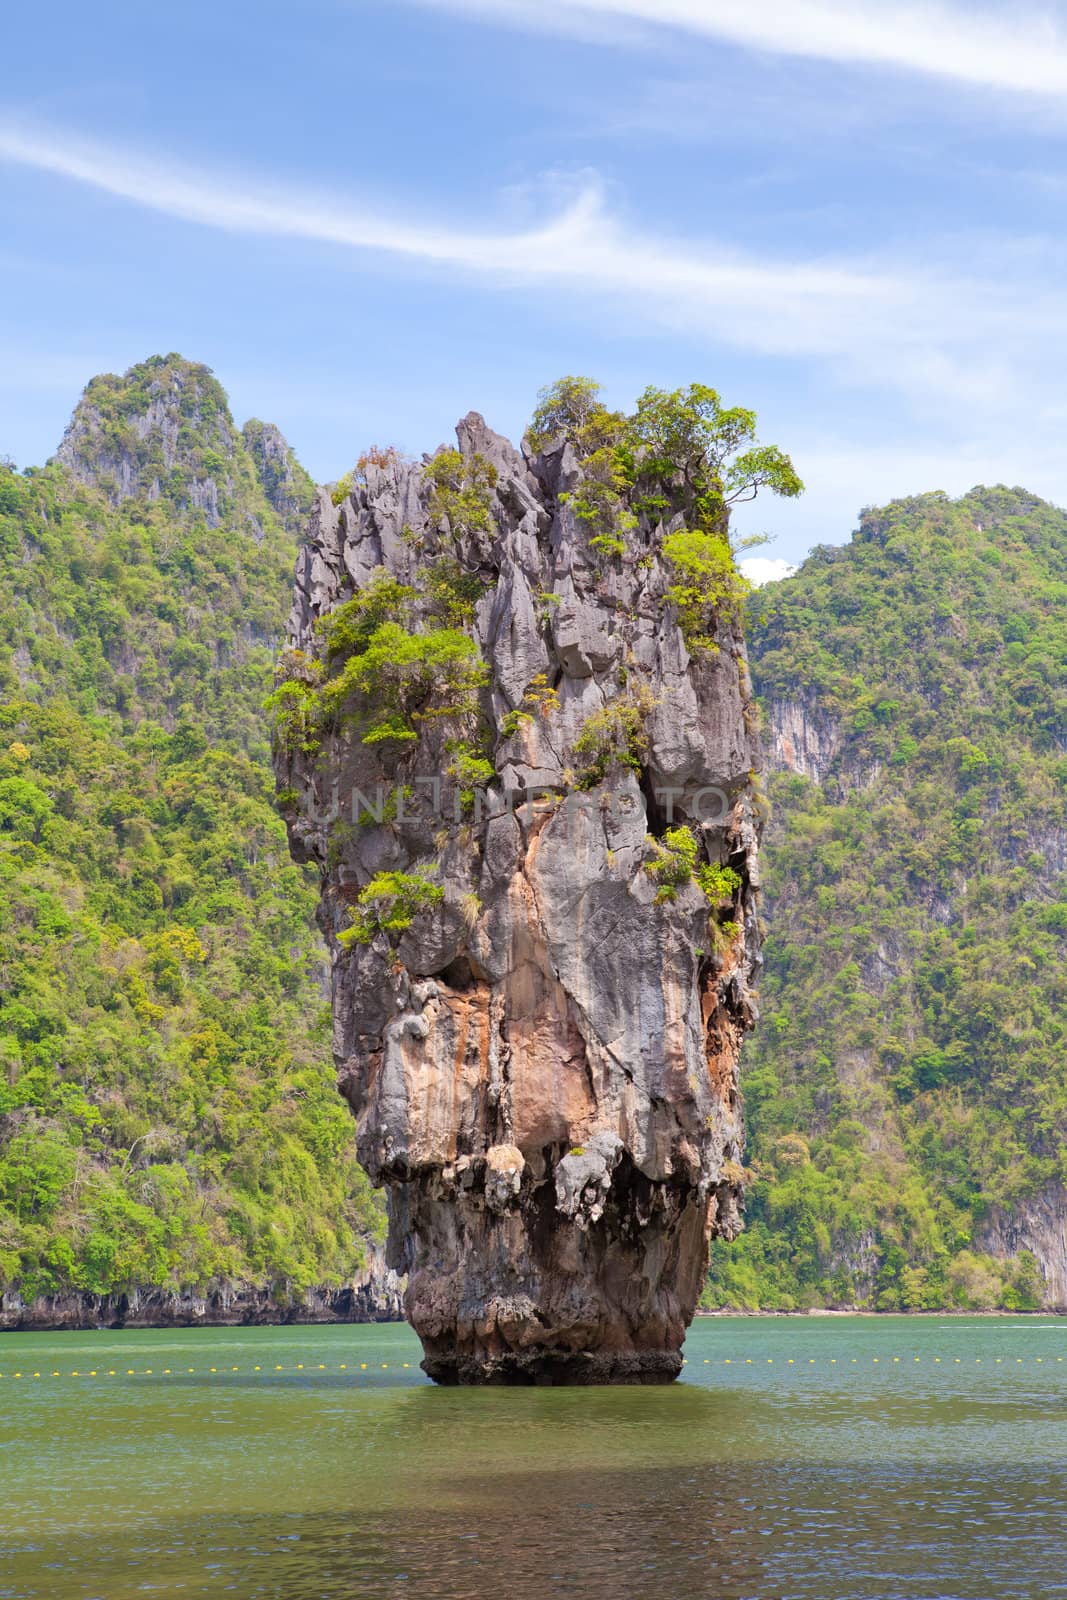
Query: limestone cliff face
802, 738
543, 1063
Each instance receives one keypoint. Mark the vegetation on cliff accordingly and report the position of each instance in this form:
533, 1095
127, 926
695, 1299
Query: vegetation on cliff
909, 1077
168, 1117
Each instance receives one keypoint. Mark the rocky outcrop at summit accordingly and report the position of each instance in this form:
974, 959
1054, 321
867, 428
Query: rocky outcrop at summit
531, 798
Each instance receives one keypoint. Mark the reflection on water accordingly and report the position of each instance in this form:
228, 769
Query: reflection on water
798, 1458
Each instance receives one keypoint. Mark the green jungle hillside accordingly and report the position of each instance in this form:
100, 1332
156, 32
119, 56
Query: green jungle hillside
907, 1087
168, 1118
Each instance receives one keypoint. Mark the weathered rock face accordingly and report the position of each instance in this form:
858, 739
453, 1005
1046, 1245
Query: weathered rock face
1038, 1224
802, 738
543, 1063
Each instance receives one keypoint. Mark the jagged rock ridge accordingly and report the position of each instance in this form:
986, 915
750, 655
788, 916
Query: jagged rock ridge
542, 1059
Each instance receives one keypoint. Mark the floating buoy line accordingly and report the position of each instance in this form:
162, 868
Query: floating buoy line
366, 1368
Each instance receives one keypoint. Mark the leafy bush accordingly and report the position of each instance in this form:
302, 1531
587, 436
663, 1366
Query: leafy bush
611, 738
706, 586
672, 862
681, 452
468, 770
538, 698
453, 592
718, 882
346, 630
571, 408
407, 677
461, 492
389, 904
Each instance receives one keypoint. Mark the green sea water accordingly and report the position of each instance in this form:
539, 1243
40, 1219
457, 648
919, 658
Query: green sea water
797, 1457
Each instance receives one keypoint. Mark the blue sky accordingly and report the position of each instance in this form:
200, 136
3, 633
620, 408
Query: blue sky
369, 218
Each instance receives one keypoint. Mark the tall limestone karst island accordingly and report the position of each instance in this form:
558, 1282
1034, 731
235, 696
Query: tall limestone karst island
515, 734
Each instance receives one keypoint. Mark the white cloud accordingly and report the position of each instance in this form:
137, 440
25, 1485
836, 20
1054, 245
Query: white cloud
933, 333
764, 569
1006, 48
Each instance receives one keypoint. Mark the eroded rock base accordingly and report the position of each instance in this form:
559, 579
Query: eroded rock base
547, 1367
586, 1273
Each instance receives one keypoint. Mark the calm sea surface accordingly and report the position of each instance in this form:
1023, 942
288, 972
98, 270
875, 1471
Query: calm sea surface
798, 1457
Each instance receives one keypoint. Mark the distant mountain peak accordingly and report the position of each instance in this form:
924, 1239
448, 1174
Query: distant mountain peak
164, 431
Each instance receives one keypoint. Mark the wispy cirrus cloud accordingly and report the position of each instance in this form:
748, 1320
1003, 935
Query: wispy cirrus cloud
883, 324
1019, 49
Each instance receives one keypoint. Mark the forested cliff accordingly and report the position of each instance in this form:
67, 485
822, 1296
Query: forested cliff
171, 1142
907, 1088
169, 1131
